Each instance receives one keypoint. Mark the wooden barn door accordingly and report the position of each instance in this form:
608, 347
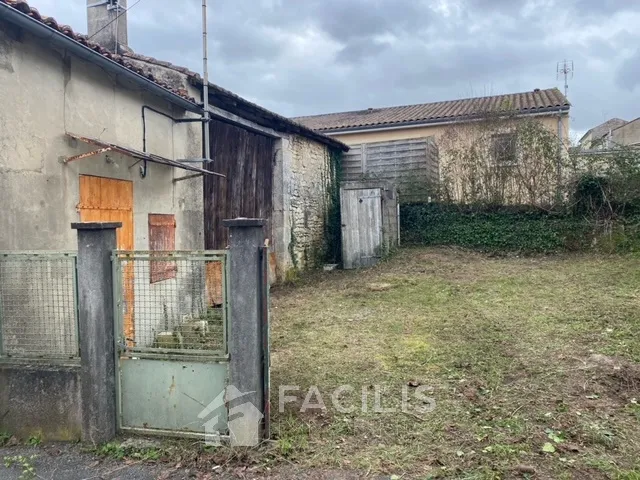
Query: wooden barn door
109, 200
246, 158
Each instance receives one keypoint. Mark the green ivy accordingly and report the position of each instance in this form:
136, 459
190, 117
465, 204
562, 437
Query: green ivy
509, 228
333, 226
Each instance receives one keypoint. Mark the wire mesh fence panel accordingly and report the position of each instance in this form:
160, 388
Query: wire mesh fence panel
171, 302
38, 305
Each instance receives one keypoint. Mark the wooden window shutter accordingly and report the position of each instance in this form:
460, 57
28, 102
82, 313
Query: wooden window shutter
162, 238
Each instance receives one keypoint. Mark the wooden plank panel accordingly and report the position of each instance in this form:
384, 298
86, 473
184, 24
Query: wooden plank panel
214, 283
109, 191
162, 237
111, 200
91, 215
364, 230
350, 228
399, 162
89, 193
361, 227
246, 159
344, 219
369, 211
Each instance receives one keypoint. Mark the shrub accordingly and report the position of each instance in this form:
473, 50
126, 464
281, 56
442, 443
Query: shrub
521, 229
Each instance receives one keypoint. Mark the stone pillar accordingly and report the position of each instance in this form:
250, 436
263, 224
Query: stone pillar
281, 217
96, 242
246, 373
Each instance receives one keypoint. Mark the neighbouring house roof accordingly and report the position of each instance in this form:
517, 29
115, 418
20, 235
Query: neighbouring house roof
537, 101
603, 129
232, 102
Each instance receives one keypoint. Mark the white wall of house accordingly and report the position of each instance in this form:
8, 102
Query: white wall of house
46, 92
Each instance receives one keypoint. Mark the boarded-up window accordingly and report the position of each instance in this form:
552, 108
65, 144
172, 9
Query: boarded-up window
162, 238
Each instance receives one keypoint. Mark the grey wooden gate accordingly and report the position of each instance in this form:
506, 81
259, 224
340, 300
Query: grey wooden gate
362, 244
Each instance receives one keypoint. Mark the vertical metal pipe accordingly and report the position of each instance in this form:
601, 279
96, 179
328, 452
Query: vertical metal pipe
559, 161
205, 87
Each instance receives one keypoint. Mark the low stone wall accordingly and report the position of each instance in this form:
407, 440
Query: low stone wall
41, 400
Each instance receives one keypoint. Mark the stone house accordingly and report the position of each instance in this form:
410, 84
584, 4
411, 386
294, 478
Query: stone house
92, 135
404, 144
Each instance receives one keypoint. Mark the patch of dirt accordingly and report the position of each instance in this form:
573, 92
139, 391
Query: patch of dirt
619, 377
379, 287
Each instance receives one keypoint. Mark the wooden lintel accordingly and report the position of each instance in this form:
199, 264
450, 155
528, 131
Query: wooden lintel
88, 154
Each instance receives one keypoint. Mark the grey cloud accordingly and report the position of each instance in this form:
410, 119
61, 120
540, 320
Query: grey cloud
312, 56
628, 76
253, 44
604, 7
344, 20
360, 50
365, 18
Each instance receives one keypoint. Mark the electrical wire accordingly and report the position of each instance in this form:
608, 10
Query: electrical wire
117, 17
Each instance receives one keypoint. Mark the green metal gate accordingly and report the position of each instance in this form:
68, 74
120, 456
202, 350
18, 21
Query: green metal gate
171, 341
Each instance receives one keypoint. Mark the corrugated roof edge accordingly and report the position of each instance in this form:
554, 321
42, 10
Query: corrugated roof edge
270, 117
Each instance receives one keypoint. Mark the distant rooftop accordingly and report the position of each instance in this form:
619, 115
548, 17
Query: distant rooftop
536, 101
603, 129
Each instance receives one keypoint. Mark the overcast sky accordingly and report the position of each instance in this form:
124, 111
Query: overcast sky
302, 57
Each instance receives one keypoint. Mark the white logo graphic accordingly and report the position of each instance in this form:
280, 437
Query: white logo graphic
243, 419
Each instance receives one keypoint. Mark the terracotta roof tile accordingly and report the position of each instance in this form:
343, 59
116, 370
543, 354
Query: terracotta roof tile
525, 102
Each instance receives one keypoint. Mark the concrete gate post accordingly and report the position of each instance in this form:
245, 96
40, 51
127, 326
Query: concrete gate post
246, 236
96, 242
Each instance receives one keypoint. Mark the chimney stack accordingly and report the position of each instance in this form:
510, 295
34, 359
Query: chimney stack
107, 24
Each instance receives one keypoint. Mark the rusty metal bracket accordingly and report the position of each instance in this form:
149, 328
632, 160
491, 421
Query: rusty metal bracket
144, 156
187, 177
86, 155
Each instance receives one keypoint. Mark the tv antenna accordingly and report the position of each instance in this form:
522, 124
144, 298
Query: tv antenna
565, 69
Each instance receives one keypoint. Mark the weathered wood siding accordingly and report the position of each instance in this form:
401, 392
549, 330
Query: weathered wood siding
407, 164
246, 158
361, 213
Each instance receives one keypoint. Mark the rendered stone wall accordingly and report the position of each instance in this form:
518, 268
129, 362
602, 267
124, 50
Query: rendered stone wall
310, 178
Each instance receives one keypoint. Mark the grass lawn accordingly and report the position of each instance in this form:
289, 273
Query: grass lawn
534, 365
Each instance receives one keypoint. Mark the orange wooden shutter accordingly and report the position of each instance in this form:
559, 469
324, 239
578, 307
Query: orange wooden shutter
162, 238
